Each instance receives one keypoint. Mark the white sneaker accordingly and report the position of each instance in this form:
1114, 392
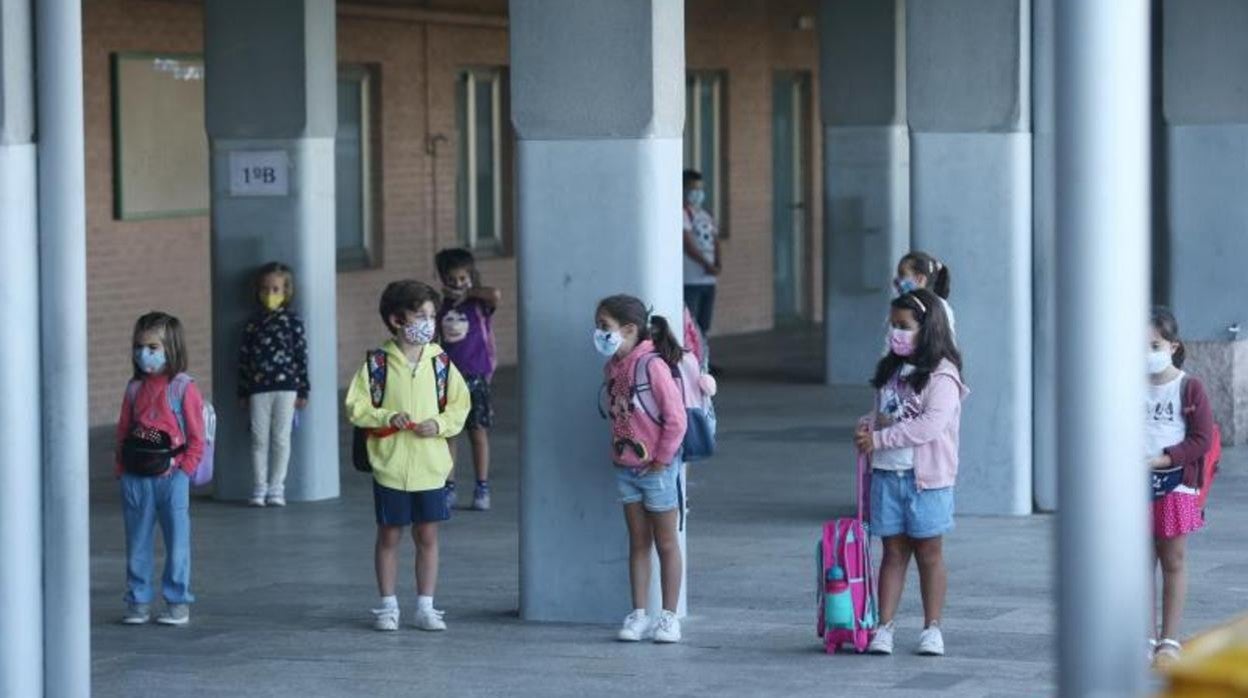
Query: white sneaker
882, 641
931, 642
175, 614
667, 629
1167, 653
430, 619
137, 614
386, 618
636, 626
257, 498
275, 500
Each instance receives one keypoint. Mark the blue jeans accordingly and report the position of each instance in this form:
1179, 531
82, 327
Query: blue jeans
898, 506
146, 501
700, 299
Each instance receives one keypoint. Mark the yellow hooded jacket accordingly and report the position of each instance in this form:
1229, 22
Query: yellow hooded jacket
405, 461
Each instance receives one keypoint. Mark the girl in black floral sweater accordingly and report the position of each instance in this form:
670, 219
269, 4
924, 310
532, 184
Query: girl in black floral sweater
272, 380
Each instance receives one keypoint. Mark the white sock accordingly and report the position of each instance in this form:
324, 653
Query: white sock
391, 602
424, 603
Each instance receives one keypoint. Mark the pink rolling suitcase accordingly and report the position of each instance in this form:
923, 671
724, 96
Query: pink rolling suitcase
845, 586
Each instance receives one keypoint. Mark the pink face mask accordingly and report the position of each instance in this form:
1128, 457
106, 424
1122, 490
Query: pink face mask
901, 342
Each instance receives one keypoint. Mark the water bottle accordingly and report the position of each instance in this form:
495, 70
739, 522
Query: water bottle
839, 605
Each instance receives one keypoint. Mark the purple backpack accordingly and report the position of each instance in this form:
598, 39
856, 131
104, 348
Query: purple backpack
176, 394
845, 587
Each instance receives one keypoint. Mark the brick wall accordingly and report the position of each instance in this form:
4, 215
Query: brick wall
134, 266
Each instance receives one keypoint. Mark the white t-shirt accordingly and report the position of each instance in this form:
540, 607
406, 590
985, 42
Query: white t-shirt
1164, 425
895, 402
701, 225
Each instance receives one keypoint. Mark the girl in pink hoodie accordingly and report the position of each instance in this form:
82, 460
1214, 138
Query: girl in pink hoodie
641, 355
912, 439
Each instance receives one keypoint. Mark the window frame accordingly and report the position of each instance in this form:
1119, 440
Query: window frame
693, 156
468, 195
367, 254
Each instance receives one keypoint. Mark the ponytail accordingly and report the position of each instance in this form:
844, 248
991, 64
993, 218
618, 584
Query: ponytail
938, 276
665, 343
940, 285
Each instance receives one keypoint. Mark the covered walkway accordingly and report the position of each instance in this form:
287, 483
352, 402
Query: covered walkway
284, 594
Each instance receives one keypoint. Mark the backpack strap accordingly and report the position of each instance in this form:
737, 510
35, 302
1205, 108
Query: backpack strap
375, 361
644, 392
441, 377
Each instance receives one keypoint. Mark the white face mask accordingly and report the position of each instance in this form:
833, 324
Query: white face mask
1159, 361
607, 343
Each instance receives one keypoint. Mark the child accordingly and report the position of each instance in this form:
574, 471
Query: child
1178, 431
912, 438
646, 453
921, 270
407, 447
272, 380
159, 445
466, 319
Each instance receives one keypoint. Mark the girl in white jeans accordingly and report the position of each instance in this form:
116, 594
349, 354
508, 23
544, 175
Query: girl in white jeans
272, 380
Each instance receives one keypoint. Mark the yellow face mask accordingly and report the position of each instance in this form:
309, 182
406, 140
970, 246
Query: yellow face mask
273, 301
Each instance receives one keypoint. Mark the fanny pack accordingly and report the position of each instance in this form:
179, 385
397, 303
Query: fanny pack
1165, 481
148, 452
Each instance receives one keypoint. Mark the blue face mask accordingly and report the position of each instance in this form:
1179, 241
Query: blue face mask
695, 197
150, 360
607, 343
905, 285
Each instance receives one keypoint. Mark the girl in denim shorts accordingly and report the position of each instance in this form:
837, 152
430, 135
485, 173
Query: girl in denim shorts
912, 439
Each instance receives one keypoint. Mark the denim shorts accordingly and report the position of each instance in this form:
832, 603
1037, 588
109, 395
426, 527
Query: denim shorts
898, 506
657, 491
401, 508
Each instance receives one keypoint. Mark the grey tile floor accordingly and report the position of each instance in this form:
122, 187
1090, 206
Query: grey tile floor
284, 594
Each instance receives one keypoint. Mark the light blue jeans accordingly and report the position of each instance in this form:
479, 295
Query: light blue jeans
146, 501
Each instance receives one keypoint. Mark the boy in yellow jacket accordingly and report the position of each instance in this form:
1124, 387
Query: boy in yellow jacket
419, 403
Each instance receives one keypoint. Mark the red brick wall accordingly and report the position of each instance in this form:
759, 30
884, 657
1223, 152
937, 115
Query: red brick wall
134, 266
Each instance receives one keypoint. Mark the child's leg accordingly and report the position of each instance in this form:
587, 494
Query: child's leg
1152, 588
281, 421
1172, 552
897, 550
933, 577
138, 511
261, 411
386, 558
173, 509
480, 438
667, 540
425, 536
640, 540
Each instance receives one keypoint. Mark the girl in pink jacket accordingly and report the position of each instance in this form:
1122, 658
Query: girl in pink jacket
912, 438
645, 449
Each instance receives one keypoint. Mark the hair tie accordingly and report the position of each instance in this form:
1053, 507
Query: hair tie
922, 308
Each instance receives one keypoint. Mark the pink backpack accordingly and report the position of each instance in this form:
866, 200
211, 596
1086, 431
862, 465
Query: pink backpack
845, 586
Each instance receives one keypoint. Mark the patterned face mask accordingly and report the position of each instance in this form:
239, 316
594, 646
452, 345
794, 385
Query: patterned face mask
607, 343
419, 332
150, 360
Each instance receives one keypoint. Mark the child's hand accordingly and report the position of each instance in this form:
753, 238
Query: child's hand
1161, 462
864, 441
400, 421
301, 403
427, 428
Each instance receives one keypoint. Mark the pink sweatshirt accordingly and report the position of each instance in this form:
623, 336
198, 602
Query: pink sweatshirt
933, 433
630, 423
151, 408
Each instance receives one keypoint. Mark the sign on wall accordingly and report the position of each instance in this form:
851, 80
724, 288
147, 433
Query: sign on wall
259, 173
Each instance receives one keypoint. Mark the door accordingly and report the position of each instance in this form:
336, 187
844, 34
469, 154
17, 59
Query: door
790, 178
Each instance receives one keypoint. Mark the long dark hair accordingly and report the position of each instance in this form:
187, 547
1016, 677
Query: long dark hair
1163, 321
171, 335
933, 343
938, 275
629, 310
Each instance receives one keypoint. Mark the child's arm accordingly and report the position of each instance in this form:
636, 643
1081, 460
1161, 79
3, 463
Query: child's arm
672, 409
300, 359
244, 361
193, 418
489, 296
458, 402
939, 408
1198, 418
359, 404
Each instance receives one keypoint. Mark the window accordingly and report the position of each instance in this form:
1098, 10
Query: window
482, 207
704, 143
353, 169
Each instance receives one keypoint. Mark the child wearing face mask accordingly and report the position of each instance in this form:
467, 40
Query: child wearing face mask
1178, 433
423, 403
912, 439
702, 252
159, 447
645, 452
272, 380
465, 321
921, 270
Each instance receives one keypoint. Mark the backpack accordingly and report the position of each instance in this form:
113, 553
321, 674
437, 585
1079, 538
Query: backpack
699, 441
176, 394
375, 360
844, 585
1209, 465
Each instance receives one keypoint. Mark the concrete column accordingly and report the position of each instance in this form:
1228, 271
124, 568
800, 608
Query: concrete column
1102, 174
597, 90
866, 177
21, 564
1205, 104
270, 92
968, 103
1043, 258
63, 356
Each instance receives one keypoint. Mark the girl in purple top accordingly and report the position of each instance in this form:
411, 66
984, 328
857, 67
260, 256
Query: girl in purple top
467, 335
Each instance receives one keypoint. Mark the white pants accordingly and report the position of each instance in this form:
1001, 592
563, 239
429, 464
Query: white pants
272, 415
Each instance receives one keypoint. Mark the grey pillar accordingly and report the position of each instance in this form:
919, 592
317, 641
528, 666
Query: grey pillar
1043, 267
270, 92
63, 332
21, 564
1206, 118
598, 107
1102, 170
866, 177
968, 100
